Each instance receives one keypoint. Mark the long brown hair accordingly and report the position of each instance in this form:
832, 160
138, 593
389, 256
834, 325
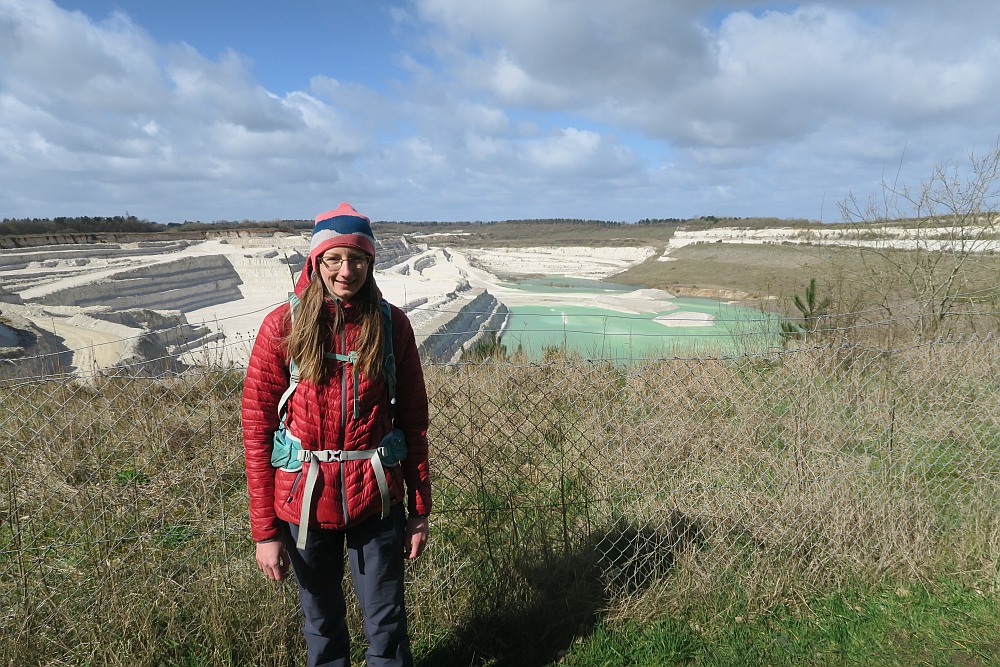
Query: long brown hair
316, 329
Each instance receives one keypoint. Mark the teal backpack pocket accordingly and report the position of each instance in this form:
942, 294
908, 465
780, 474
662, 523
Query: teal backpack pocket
285, 450
393, 449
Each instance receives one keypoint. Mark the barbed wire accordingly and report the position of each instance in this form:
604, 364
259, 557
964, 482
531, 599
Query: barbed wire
438, 309
128, 369
770, 319
208, 350
626, 316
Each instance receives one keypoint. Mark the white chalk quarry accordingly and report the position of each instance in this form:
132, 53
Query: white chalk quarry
158, 303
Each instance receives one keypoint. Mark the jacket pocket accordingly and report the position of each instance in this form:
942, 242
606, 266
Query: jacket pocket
286, 483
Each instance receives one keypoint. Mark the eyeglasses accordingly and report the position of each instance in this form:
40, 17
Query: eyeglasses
356, 262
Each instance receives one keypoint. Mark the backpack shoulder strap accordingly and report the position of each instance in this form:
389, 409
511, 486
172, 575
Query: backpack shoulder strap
293, 370
389, 359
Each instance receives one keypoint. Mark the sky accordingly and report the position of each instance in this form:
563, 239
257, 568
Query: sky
479, 110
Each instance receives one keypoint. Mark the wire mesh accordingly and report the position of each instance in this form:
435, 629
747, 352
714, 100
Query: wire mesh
123, 496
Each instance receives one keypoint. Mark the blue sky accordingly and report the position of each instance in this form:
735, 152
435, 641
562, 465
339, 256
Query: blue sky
484, 110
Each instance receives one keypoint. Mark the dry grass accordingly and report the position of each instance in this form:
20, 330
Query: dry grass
759, 270
566, 490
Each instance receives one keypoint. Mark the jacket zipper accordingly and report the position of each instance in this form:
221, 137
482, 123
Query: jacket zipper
295, 484
343, 421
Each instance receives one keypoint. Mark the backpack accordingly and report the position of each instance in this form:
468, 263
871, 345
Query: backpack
286, 447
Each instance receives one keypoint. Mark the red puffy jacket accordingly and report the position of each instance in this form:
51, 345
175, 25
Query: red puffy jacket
315, 414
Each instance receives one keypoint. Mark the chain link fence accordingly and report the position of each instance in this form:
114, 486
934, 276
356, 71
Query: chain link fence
561, 487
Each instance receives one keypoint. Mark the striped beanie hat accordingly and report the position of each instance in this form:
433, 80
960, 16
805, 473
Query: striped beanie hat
341, 227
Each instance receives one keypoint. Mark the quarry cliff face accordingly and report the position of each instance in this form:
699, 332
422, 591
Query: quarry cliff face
172, 303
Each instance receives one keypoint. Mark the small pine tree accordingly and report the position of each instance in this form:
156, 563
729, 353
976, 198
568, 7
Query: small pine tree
811, 310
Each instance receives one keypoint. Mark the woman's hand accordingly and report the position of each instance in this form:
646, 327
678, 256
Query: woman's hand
273, 559
415, 539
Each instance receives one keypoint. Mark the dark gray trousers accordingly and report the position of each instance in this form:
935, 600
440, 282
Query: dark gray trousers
375, 552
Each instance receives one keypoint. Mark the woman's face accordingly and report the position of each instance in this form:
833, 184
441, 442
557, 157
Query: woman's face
344, 271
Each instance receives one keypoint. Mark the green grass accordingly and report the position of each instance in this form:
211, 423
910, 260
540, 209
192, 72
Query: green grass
942, 623
758, 270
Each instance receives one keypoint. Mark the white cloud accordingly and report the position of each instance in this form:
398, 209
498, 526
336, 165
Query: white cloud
500, 109
755, 78
53, 58
574, 151
551, 52
108, 118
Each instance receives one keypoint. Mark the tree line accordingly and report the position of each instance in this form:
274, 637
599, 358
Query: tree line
119, 224
77, 225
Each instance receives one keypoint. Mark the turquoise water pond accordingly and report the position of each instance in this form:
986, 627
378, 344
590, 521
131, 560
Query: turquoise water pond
608, 334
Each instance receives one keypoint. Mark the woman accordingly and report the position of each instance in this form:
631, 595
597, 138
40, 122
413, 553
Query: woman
337, 489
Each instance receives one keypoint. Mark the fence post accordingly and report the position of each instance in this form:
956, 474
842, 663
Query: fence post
890, 384
15, 527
